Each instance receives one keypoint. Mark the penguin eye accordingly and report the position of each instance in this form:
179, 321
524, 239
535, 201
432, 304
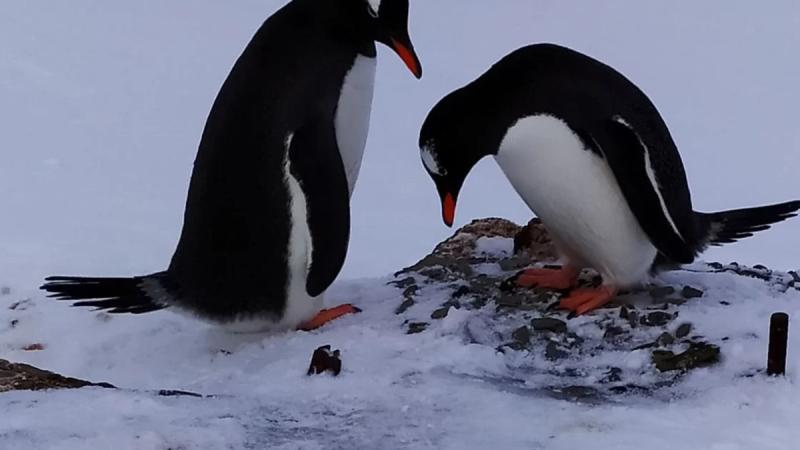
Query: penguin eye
371, 11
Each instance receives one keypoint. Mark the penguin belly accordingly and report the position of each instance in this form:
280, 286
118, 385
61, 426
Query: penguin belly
573, 191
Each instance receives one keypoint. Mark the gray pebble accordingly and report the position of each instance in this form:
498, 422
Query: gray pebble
408, 303
440, 313
549, 324
656, 319
522, 335
683, 330
690, 292
665, 339
661, 291
510, 300
416, 327
553, 352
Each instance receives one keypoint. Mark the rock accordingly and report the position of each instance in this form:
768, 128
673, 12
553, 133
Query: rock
699, 354
661, 291
33, 347
689, 292
22, 377
725, 303
683, 330
612, 332
510, 300
633, 319
553, 352
534, 240
461, 292
325, 360
522, 335
462, 243
549, 324
656, 319
440, 313
665, 339
404, 283
410, 291
407, 303
514, 263
417, 327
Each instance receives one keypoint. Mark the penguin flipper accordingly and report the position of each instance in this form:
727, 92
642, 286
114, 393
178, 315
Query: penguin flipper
317, 165
631, 163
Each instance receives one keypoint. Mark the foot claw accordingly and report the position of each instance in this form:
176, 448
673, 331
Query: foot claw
581, 301
327, 315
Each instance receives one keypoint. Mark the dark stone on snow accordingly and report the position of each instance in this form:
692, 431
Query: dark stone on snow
690, 292
522, 335
417, 327
549, 324
665, 339
725, 303
510, 300
22, 377
325, 360
633, 319
623, 312
683, 330
699, 354
612, 332
656, 319
514, 263
407, 303
440, 313
410, 291
461, 291
404, 283
553, 352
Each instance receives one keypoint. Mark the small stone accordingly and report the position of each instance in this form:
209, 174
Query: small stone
689, 292
33, 347
661, 291
440, 313
549, 324
614, 375
612, 332
404, 283
715, 265
14, 323
683, 330
5, 290
461, 291
522, 335
623, 312
510, 283
665, 339
552, 352
633, 319
514, 263
699, 354
410, 291
510, 301
725, 303
407, 303
416, 327
656, 319
676, 301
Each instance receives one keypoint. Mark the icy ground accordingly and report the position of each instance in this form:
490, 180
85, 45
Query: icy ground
446, 386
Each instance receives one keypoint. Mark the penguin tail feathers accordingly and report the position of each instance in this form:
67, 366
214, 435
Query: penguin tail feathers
114, 295
729, 226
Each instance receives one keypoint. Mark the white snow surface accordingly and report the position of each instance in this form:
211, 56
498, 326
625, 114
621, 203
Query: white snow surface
101, 109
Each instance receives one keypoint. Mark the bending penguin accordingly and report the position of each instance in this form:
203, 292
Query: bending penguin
267, 218
591, 156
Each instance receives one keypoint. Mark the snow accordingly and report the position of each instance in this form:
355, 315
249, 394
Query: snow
102, 108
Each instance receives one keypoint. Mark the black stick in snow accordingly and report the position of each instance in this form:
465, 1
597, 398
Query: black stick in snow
778, 337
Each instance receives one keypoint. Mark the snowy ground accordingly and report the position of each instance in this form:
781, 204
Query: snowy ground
101, 108
441, 388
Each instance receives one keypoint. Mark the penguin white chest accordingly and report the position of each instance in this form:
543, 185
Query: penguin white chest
575, 194
352, 115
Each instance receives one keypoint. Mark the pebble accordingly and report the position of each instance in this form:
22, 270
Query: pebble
440, 313
683, 330
522, 335
553, 352
510, 300
665, 339
662, 291
699, 354
656, 319
417, 327
411, 291
461, 291
549, 324
689, 292
408, 303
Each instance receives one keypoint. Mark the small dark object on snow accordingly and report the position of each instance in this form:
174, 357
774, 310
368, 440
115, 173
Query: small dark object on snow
699, 354
407, 303
325, 360
683, 330
522, 335
656, 319
690, 292
553, 352
778, 336
174, 393
549, 324
661, 291
440, 313
416, 327
665, 339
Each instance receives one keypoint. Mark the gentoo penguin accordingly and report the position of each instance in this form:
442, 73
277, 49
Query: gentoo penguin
267, 218
591, 156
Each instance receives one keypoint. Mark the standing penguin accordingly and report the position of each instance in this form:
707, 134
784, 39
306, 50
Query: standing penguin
591, 156
267, 219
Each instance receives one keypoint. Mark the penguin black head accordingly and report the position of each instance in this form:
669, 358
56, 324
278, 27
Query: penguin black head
384, 21
455, 136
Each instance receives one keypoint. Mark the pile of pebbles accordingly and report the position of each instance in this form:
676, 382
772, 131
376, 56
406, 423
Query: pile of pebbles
550, 346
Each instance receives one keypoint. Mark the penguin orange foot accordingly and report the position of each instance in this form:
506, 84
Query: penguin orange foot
328, 315
563, 278
587, 299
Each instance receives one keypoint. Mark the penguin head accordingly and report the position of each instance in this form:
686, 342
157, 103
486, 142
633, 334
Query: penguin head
389, 25
453, 139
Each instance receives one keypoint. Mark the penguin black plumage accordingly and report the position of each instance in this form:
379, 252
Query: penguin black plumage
267, 218
591, 156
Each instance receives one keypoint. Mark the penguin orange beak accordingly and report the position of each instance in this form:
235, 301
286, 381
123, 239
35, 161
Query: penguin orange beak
448, 209
405, 50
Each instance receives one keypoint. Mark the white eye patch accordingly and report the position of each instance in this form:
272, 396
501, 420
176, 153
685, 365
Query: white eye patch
373, 6
430, 161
